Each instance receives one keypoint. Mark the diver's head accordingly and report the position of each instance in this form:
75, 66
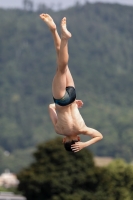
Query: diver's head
68, 141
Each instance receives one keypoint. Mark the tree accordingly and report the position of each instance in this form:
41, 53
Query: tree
28, 5
42, 8
56, 173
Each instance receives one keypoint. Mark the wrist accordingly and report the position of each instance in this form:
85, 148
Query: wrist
86, 143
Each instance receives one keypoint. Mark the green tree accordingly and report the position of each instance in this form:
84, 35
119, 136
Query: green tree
28, 5
56, 173
116, 181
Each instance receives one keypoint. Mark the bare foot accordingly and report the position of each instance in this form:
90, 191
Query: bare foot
64, 32
48, 20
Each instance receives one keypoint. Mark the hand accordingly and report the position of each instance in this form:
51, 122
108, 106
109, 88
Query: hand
77, 146
79, 103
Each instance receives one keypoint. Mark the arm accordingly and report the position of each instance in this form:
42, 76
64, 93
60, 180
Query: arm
96, 136
52, 113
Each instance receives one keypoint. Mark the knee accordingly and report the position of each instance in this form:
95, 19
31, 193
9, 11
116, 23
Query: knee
58, 48
63, 62
58, 51
62, 70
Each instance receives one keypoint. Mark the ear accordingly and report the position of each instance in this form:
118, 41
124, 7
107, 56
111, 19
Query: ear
64, 140
78, 138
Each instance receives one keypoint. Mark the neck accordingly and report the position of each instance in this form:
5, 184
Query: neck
69, 138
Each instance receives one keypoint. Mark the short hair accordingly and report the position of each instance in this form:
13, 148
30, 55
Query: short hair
68, 144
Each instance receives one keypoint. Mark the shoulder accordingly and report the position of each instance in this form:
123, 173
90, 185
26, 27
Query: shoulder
87, 130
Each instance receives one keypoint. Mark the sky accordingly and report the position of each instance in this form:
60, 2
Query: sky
58, 3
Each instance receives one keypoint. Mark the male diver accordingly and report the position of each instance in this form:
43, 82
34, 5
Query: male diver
64, 112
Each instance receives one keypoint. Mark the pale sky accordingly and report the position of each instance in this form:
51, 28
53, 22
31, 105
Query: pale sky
56, 3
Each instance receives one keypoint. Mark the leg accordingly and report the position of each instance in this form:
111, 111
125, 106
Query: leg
57, 42
60, 79
52, 26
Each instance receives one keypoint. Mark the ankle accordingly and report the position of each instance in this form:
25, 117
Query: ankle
53, 30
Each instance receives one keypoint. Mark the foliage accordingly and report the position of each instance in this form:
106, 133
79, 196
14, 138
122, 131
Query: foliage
66, 170
58, 175
13, 190
101, 61
15, 161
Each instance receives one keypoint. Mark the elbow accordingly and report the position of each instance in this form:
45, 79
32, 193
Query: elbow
100, 136
51, 105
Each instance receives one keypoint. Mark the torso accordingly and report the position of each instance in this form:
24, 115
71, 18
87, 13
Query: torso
69, 120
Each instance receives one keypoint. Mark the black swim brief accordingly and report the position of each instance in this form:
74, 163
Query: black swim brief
68, 98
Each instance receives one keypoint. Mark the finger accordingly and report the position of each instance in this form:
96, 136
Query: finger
74, 148
73, 145
75, 151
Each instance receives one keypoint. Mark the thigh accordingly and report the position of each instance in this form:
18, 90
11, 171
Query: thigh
69, 78
59, 84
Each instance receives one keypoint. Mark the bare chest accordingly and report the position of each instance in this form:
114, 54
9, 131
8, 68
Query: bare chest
69, 123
